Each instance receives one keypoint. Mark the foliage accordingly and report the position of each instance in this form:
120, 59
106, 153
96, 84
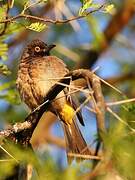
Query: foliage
117, 142
86, 4
109, 8
45, 165
30, 3
4, 69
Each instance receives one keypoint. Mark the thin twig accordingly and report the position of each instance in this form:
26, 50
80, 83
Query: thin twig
120, 119
113, 87
120, 102
30, 5
73, 87
84, 156
8, 153
90, 109
6, 160
47, 20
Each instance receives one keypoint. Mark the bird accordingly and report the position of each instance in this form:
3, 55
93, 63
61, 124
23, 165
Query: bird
38, 71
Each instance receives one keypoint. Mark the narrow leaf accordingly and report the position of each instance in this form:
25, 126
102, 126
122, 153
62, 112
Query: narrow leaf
37, 26
4, 69
109, 9
3, 50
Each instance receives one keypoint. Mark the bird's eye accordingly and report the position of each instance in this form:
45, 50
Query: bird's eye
37, 49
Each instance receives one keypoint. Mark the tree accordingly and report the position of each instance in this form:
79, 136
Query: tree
106, 98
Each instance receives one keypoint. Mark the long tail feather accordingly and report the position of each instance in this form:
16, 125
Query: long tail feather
74, 140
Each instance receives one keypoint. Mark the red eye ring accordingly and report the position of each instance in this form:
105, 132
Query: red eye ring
37, 49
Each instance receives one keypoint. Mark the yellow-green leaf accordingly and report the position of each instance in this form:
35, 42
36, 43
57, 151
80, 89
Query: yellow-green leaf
85, 6
37, 26
4, 69
109, 8
3, 50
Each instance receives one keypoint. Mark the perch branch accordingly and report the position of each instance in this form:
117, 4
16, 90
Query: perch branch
100, 105
22, 132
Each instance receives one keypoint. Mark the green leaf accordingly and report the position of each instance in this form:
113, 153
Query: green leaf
95, 6
86, 5
29, 4
82, 1
109, 9
4, 69
130, 107
3, 50
3, 12
14, 27
2, 16
11, 96
38, 27
7, 85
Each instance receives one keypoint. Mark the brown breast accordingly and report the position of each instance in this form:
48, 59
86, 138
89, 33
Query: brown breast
45, 72
37, 77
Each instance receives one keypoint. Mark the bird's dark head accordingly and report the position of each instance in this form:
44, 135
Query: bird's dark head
39, 48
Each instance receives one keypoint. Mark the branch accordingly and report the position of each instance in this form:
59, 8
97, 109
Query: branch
100, 104
47, 20
84, 156
22, 132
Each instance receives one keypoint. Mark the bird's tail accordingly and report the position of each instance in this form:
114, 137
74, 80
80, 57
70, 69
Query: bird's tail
75, 142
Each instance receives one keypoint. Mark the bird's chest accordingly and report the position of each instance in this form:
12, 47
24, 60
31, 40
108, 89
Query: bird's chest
43, 76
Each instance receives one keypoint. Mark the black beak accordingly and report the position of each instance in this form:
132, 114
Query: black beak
51, 46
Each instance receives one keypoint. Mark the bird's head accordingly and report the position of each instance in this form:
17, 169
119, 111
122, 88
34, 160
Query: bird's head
39, 48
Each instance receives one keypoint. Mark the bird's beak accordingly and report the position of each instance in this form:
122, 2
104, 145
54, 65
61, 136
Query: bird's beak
51, 46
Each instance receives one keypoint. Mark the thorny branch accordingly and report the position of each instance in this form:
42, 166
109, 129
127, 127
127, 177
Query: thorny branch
22, 132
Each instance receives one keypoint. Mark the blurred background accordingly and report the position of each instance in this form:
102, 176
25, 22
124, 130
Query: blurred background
103, 40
